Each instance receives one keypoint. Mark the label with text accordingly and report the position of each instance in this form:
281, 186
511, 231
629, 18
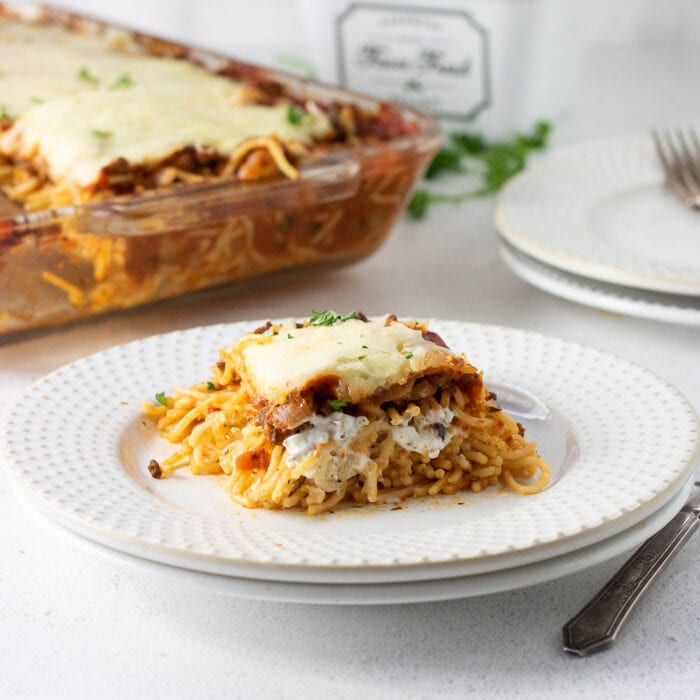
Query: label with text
435, 60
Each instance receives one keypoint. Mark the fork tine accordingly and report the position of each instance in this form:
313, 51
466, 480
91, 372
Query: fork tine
695, 144
665, 162
668, 163
694, 138
687, 166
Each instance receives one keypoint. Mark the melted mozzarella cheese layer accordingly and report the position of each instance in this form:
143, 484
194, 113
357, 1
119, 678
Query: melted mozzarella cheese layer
78, 136
364, 357
74, 112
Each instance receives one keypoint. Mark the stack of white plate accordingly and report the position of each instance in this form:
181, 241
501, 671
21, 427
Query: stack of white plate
621, 442
595, 224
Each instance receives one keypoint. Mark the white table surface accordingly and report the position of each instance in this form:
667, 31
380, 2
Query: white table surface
74, 625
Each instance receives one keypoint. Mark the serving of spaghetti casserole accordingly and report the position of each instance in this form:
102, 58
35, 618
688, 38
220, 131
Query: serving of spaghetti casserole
339, 408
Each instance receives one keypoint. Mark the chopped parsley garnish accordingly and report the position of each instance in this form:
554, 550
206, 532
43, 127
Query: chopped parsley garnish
337, 404
160, 398
408, 355
493, 164
328, 318
86, 76
364, 347
101, 134
123, 81
296, 115
211, 386
361, 357
289, 336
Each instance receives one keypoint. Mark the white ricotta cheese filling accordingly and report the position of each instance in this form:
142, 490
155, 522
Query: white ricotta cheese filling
328, 437
426, 434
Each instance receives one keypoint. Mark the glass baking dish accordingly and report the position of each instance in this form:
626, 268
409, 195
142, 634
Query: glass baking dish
73, 262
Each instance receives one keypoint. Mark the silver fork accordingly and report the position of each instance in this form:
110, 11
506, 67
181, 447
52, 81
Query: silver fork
596, 626
679, 154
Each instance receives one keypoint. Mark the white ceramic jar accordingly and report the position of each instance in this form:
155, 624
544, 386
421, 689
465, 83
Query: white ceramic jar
493, 65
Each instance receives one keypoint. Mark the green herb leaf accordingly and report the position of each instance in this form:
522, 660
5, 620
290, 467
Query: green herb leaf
296, 115
539, 136
211, 386
337, 404
408, 355
422, 199
361, 357
160, 398
468, 143
87, 77
289, 336
445, 160
123, 81
101, 134
328, 318
418, 206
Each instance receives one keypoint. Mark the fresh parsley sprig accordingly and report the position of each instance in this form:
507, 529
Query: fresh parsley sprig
328, 318
494, 163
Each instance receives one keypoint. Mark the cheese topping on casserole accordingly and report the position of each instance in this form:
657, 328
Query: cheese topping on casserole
78, 136
80, 103
360, 358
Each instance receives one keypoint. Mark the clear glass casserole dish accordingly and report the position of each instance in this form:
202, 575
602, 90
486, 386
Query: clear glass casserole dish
75, 261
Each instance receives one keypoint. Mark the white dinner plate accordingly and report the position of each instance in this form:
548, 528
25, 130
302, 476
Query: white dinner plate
621, 442
386, 593
657, 306
602, 210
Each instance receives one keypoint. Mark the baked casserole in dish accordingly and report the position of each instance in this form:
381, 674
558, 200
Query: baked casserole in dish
134, 169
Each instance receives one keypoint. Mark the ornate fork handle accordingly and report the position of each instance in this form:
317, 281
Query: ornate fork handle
597, 625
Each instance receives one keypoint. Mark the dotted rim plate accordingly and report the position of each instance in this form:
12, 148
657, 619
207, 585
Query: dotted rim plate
77, 443
560, 209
